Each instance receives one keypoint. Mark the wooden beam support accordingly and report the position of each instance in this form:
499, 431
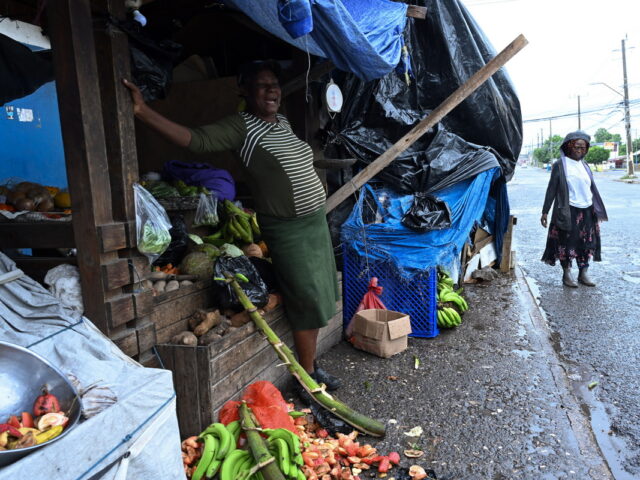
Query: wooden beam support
415, 11
112, 237
425, 124
74, 58
112, 49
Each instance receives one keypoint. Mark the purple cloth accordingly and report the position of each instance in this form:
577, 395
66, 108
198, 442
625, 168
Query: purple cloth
218, 181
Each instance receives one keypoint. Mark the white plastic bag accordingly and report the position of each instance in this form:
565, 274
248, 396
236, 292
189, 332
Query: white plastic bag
64, 284
207, 211
152, 224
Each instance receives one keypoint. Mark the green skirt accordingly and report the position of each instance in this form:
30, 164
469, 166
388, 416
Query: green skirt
305, 267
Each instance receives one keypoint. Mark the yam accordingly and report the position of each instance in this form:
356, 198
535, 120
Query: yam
252, 250
210, 320
172, 285
193, 321
155, 276
222, 327
147, 284
159, 286
240, 319
274, 301
209, 337
184, 338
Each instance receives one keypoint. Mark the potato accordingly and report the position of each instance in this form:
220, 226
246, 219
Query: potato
172, 285
185, 338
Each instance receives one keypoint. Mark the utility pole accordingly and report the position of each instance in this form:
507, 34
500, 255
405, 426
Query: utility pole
627, 116
579, 124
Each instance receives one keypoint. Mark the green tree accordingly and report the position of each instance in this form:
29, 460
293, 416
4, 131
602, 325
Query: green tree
602, 135
635, 144
597, 155
549, 151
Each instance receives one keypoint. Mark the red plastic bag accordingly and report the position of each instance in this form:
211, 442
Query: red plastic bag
370, 300
267, 404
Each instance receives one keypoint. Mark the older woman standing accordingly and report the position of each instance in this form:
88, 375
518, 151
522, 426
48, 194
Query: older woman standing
574, 232
289, 200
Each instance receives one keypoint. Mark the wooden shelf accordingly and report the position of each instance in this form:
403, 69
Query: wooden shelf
36, 235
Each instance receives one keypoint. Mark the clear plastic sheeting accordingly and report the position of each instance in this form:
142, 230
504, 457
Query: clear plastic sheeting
375, 231
484, 131
136, 437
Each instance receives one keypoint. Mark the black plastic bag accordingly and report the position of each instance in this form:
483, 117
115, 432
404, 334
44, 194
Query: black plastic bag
484, 131
427, 213
177, 249
152, 61
22, 71
255, 289
329, 421
267, 273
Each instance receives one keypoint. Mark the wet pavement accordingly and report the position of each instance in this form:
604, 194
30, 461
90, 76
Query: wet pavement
594, 330
491, 397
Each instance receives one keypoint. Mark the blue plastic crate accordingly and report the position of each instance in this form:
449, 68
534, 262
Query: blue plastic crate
416, 298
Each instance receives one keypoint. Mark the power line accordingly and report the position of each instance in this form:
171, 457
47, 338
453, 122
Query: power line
575, 114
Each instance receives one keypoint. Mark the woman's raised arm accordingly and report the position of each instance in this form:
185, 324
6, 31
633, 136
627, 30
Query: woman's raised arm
174, 132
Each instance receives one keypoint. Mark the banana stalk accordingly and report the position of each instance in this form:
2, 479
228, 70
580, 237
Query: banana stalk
339, 409
265, 462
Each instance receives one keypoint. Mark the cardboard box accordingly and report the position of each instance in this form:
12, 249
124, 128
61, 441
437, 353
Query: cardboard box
381, 332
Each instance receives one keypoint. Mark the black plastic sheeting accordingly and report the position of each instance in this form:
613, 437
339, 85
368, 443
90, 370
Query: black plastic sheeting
22, 71
427, 213
485, 131
152, 60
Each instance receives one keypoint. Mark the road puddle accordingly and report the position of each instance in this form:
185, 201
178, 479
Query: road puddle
614, 449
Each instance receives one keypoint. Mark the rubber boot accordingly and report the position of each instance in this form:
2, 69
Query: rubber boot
567, 278
322, 376
584, 279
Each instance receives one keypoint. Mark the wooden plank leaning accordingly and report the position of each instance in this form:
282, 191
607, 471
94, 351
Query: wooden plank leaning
425, 124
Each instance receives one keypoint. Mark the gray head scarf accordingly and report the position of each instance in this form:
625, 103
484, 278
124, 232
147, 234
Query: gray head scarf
577, 135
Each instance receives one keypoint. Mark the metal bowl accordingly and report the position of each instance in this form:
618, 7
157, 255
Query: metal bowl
23, 374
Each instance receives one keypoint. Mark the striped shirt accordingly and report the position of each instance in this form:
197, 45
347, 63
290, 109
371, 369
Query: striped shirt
283, 181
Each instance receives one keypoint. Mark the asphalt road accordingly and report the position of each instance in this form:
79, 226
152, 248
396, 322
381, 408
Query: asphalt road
594, 330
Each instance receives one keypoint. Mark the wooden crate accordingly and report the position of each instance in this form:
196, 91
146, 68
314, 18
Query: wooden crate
206, 377
172, 309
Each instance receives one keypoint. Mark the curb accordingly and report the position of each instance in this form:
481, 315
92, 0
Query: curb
580, 423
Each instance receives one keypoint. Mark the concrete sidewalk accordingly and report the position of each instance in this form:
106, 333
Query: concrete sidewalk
491, 396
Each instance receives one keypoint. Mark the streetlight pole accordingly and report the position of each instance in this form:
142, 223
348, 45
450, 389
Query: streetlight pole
627, 116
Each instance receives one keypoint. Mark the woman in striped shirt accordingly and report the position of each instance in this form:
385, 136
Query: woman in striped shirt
289, 200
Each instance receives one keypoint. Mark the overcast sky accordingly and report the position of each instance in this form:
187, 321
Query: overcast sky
573, 45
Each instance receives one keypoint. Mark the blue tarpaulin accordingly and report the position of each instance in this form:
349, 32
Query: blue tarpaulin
413, 252
363, 37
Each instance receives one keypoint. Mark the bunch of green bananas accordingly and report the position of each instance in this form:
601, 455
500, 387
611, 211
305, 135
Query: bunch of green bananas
448, 316
240, 227
219, 443
284, 445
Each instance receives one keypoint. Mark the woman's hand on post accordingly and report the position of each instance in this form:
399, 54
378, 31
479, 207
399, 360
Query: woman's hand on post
136, 96
543, 220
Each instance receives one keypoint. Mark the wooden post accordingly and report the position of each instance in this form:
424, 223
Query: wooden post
429, 121
505, 261
70, 29
112, 48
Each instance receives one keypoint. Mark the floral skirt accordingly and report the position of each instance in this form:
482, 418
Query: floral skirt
581, 243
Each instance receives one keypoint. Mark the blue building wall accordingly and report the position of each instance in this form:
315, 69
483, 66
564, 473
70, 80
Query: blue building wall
32, 150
